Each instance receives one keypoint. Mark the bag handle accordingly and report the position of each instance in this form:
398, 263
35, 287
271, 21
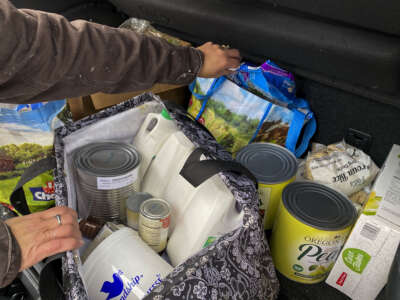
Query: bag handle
215, 85
17, 198
294, 132
50, 279
196, 171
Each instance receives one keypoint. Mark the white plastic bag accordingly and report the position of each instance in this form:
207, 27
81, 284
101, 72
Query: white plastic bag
340, 166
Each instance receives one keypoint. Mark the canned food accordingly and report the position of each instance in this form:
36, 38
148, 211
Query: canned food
154, 222
108, 174
274, 167
133, 204
312, 224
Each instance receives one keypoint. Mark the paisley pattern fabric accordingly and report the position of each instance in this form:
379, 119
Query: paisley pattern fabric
236, 266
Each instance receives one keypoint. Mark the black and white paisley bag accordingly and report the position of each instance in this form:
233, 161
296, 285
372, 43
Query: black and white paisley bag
237, 266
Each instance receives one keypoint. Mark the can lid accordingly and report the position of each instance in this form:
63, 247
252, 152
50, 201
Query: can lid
155, 208
268, 162
136, 199
318, 206
106, 159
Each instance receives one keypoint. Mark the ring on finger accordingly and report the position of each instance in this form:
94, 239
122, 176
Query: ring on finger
58, 218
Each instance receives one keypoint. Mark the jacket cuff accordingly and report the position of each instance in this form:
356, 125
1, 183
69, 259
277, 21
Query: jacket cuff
195, 62
11, 252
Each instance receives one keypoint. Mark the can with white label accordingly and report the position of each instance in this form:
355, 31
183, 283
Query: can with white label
107, 176
154, 222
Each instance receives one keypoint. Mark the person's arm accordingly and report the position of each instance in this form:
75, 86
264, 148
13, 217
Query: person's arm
45, 57
10, 256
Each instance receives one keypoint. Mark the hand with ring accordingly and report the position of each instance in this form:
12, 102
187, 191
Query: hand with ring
46, 233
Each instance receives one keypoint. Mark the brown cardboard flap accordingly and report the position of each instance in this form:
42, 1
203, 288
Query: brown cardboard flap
101, 100
80, 107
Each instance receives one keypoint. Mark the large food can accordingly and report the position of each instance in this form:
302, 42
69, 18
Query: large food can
312, 224
154, 222
274, 167
108, 175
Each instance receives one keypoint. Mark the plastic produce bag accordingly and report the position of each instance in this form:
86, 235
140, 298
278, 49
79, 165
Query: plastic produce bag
144, 27
340, 166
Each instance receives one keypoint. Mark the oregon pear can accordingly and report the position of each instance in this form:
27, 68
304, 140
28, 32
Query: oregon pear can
312, 224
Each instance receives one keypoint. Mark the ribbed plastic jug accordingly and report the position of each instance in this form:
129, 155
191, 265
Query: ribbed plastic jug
156, 129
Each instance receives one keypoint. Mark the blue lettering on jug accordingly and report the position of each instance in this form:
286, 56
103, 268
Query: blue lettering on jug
116, 287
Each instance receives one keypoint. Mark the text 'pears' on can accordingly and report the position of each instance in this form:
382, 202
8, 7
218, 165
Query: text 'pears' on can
312, 224
274, 167
154, 222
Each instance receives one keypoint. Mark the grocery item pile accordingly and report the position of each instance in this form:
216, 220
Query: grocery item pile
135, 204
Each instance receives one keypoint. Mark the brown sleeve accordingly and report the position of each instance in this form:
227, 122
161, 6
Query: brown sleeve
45, 57
10, 256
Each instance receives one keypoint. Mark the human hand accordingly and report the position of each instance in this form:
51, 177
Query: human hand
39, 235
218, 60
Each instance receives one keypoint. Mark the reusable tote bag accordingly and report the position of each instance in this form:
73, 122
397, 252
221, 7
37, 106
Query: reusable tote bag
237, 265
247, 108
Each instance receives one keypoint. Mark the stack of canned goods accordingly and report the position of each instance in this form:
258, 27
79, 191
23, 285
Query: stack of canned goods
108, 174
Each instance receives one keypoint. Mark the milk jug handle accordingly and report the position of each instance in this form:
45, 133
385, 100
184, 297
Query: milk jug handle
196, 171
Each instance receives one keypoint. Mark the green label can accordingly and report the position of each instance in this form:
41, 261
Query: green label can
312, 224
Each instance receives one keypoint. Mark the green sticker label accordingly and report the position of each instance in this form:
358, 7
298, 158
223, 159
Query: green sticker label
298, 268
209, 241
356, 259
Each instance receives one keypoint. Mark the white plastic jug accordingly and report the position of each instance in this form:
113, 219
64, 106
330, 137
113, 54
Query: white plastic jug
156, 129
209, 213
198, 214
123, 266
168, 162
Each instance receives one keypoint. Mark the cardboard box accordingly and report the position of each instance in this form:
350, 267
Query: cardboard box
83, 106
101, 100
80, 107
363, 266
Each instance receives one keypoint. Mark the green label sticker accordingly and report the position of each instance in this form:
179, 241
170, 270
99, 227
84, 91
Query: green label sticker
356, 259
209, 241
298, 268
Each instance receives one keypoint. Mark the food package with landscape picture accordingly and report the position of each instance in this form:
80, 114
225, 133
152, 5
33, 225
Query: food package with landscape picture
247, 108
26, 137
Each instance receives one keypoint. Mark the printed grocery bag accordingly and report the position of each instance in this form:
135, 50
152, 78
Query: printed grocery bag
247, 108
26, 136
